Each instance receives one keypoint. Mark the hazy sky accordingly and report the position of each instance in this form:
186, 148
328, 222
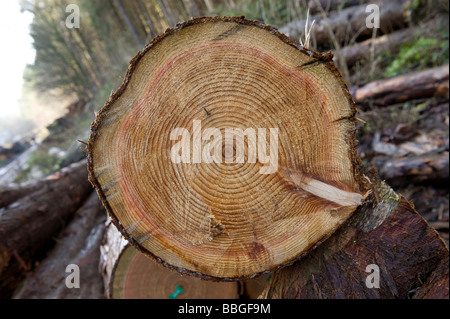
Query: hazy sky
16, 51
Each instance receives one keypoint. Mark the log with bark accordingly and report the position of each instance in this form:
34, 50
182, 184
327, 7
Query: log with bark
385, 235
224, 214
316, 6
420, 157
129, 274
431, 167
31, 215
347, 25
78, 244
389, 42
416, 85
211, 209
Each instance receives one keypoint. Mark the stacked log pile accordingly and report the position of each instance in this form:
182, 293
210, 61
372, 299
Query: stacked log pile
48, 224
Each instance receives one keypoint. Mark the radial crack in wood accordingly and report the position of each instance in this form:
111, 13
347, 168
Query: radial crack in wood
226, 208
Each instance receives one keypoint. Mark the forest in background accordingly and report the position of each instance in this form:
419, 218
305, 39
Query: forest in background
76, 69
88, 61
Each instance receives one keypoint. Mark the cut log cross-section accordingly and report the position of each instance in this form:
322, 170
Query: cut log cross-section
129, 274
222, 218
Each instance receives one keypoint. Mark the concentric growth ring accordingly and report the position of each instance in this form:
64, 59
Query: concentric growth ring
230, 207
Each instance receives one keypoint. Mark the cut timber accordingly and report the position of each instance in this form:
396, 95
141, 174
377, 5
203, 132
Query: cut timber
436, 286
413, 169
349, 23
389, 42
12, 192
129, 274
315, 6
28, 224
79, 244
227, 220
402, 88
386, 232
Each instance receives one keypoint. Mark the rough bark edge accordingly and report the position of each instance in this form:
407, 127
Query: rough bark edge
384, 199
324, 58
116, 244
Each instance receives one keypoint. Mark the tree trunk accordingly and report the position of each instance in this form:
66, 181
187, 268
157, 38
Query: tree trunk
13, 192
28, 224
129, 274
227, 215
417, 85
129, 23
330, 5
191, 8
413, 169
349, 23
168, 13
78, 244
389, 42
386, 235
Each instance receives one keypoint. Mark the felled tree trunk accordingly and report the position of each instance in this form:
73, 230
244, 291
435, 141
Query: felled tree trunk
402, 88
246, 204
389, 42
315, 6
385, 235
414, 169
216, 210
349, 23
129, 274
78, 244
28, 224
12, 192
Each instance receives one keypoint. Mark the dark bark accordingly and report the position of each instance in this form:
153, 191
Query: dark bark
389, 42
169, 15
79, 244
417, 85
436, 286
349, 23
330, 5
28, 224
387, 232
413, 169
128, 22
12, 192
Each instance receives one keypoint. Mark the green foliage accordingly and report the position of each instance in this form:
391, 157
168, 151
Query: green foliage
276, 13
44, 161
423, 53
39, 160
